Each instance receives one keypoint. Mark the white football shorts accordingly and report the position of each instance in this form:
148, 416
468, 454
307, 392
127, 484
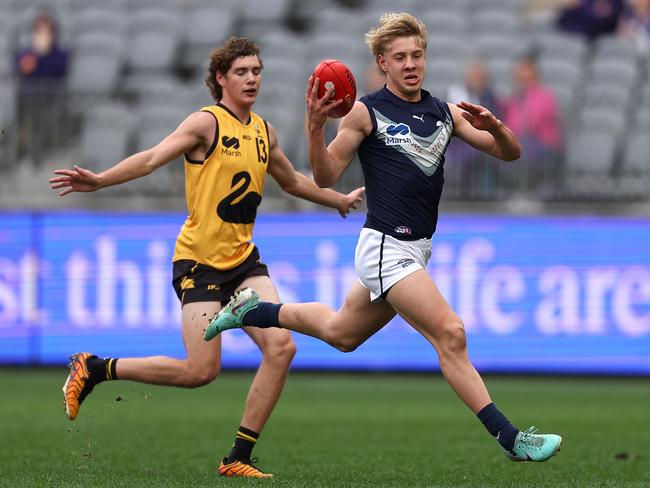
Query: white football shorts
381, 260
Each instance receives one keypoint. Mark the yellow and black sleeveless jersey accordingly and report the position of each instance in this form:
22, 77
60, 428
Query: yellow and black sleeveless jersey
223, 192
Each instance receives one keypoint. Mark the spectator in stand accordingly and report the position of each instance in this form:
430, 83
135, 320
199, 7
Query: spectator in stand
531, 112
41, 68
635, 24
590, 18
468, 168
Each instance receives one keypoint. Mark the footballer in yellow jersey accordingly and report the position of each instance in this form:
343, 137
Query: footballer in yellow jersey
228, 152
230, 179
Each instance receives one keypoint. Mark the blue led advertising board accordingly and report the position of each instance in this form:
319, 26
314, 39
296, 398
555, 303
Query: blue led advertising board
539, 294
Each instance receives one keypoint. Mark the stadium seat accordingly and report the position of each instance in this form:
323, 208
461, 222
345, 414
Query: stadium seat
150, 88
334, 20
106, 135
6, 58
642, 119
341, 46
381, 6
445, 46
589, 162
117, 5
154, 123
499, 45
560, 71
623, 72
460, 5
606, 95
645, 92
153, 39
445, 21
274, 11
634, 177
99, 20
605, 119
152, 4
282, 43
96, 64
207, 27
561, 46
285, 71
7, 119
492, 20
615, 47
500, 71
444, 71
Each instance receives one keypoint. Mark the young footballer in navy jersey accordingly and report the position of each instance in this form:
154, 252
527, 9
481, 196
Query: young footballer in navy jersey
400, 133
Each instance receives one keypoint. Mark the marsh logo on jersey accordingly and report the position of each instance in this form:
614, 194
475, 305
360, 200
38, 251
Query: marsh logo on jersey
398, 134
402, 229
426, 152
230, 146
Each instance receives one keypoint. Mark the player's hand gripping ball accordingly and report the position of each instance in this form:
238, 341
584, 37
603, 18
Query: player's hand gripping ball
333, 73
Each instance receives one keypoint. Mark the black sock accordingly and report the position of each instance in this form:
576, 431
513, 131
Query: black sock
499, 426
243, 445
264, 315
102, 369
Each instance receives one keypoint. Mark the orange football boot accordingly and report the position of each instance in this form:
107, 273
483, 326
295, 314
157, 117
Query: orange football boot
244, 469
77, 386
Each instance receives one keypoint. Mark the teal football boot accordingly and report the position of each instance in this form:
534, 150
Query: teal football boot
230, 316
530, 446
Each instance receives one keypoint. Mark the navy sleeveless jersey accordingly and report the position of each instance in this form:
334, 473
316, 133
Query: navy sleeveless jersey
402, 161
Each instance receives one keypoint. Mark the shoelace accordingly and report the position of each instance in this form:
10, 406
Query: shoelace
530, 438
251, 463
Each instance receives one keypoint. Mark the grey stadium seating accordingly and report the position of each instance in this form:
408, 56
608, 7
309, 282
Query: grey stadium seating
96, 64
153, 39
634, 177
589, 164
106, 135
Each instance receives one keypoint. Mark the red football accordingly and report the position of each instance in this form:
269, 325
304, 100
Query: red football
333, 72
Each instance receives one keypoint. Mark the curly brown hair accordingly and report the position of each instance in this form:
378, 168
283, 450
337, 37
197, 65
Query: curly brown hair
221, 60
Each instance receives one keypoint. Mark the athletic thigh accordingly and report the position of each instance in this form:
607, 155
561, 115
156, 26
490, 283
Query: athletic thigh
359, 318
195, 318
273, 336
418, 301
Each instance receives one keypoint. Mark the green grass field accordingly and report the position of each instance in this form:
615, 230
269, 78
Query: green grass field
329, 430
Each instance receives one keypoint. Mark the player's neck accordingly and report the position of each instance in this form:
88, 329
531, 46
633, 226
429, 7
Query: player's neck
242, 112
408, 97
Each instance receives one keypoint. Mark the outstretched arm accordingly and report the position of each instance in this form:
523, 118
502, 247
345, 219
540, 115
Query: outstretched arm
193, 133
478, 127
299, 185
329, 162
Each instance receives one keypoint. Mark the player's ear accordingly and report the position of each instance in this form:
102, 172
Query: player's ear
221, 79
381, 62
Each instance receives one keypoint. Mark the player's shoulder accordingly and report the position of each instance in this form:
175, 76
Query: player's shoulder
358, 118
202, 118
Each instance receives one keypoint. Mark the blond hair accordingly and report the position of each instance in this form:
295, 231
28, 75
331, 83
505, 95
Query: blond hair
392, 25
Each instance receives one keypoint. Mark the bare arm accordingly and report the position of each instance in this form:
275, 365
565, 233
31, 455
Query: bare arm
299, 185
194, 132
478, 127
329, 163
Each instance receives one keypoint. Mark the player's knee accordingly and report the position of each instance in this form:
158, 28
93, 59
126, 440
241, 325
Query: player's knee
281, 350
453, 339
197, 377
345, 344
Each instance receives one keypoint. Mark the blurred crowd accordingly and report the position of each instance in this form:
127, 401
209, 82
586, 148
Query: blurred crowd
524, 92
